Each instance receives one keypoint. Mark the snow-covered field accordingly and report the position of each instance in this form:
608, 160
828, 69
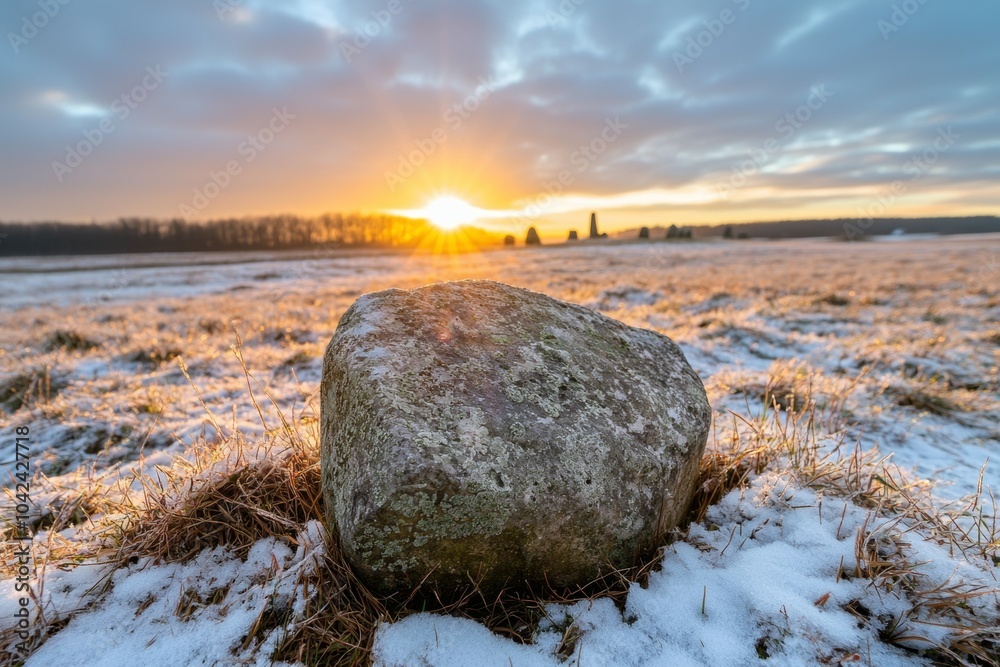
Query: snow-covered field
893, 345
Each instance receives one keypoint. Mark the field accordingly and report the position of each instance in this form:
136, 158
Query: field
846, 511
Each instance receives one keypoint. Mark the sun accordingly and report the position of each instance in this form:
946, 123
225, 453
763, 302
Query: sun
449, 212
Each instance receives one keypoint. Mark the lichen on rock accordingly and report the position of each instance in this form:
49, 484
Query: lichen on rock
477, 430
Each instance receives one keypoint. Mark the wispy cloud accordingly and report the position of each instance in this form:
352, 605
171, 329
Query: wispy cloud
554, 87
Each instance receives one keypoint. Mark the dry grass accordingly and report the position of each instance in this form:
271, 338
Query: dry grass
153, 357
271, 497
788, 440
232, 494
72, 341
36, 387
789, 387
928, 397
82, 501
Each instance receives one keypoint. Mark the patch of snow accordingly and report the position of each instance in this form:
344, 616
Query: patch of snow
162, 615
757, 580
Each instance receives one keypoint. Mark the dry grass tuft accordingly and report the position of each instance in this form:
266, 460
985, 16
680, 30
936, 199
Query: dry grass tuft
929, 397
72, 341
340, 618
197, 505
834, 300
154, 357
36, 387
723, 470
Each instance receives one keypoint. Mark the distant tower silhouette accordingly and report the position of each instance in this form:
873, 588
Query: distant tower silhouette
593, 226
573, 236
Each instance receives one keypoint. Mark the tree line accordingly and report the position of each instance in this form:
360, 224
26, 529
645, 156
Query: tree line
846, 228
852, 228
147, 235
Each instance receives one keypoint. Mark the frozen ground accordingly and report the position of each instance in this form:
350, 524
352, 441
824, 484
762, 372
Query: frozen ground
899, 342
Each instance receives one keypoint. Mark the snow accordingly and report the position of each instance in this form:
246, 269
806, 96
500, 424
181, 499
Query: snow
139, 617
65, 590
767, 583
913, 324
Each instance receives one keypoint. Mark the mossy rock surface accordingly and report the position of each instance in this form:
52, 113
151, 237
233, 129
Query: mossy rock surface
476, 430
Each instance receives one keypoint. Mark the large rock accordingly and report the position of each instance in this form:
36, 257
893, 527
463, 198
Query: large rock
473, 430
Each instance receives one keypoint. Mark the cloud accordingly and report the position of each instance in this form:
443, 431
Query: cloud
559, 70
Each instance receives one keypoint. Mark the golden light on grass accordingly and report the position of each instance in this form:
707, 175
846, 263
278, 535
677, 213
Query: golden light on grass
237, 485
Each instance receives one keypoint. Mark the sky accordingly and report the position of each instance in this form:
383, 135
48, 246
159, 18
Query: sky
534, 112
